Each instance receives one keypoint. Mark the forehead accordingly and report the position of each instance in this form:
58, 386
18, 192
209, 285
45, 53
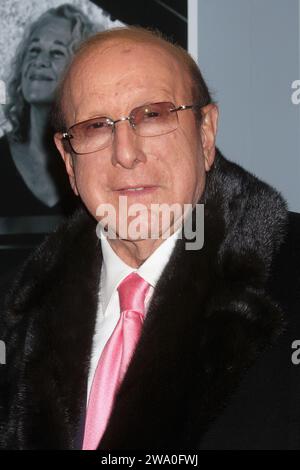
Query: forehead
123, 74
52, 28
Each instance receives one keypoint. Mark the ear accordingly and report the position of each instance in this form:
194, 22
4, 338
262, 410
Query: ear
209, 126
67, 158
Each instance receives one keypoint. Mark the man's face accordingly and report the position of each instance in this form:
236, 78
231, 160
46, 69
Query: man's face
110, 81
46, 57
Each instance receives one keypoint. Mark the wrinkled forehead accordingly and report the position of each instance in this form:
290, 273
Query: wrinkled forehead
52, 26
113, 68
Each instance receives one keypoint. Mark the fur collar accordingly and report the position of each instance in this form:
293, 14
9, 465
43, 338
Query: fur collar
208, 321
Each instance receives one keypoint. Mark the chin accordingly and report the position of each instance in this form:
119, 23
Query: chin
40, 100
39, 95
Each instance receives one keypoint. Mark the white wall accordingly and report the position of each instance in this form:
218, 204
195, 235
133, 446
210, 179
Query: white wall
248, 51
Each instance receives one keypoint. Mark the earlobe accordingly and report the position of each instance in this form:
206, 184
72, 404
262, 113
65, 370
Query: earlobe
209, 159
68, 160
209, 127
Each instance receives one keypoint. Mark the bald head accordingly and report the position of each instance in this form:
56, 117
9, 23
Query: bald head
110, 72
130, 37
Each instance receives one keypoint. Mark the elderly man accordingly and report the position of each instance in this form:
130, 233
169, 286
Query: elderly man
129, 341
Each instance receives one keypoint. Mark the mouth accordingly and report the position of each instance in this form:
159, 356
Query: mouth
137, 190
40, 77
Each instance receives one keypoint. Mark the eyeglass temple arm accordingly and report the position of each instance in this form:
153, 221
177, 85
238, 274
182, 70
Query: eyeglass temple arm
183, 107
66, 136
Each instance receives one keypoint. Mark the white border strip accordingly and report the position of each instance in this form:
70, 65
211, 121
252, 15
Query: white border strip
193, 28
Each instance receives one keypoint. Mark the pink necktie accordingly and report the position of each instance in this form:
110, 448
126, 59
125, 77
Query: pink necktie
115, 358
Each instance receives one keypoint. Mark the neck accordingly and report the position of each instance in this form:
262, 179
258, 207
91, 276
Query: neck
134, 253
39, 118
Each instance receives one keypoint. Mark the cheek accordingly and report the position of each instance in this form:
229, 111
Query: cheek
24, 80
25, 66
60, 65
90, 180
189, 179
182, 159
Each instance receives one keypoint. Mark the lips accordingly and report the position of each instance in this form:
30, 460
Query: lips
137, 190
40, 76
133, 189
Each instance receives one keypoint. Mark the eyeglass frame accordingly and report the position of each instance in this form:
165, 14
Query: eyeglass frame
66, 134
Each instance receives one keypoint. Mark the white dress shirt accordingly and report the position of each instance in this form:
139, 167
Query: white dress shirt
113, 271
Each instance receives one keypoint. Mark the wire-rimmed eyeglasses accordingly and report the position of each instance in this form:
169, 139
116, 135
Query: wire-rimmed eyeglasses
148, 120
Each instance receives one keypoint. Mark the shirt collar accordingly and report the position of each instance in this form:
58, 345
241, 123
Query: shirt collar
114, 269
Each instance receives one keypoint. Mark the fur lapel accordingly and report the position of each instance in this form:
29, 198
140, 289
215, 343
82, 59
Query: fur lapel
208, 320
57, 310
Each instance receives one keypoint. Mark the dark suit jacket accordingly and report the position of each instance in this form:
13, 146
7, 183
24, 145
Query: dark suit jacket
213, 367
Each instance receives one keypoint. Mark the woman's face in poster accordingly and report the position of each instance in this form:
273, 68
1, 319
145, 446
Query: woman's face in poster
46, 57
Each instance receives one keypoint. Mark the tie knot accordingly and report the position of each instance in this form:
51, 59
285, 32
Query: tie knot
132, 293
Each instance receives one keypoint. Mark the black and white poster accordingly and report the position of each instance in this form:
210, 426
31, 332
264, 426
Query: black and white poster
37, 41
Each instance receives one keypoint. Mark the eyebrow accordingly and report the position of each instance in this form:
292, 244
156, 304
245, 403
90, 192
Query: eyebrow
96, 114
91, 116
60, 43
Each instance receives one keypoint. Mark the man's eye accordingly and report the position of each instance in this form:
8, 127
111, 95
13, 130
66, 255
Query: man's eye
151, 114
96, 125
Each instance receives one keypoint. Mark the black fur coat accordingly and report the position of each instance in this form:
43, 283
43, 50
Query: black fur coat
213, 367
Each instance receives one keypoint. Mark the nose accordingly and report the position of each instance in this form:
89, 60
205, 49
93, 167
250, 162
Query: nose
126, 146
43, 60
